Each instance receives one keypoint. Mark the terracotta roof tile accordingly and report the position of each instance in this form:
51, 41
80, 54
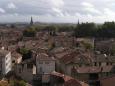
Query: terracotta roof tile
69, 81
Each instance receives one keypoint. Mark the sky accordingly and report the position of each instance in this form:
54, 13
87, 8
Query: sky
58, 11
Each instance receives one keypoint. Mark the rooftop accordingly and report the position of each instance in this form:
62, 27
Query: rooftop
93, 69
69, 81
3, 52
44, 56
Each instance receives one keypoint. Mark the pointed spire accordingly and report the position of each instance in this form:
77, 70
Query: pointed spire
78, 21
31, 22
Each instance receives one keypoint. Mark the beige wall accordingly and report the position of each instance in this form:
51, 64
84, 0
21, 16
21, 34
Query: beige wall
26, 74
46, 68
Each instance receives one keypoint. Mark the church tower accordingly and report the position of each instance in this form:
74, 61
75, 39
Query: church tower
78, 22
31, 22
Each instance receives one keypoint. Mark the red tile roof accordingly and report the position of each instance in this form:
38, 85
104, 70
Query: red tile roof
75, 57
69, 81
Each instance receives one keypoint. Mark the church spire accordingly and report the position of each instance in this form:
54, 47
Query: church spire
78, 22
31, 22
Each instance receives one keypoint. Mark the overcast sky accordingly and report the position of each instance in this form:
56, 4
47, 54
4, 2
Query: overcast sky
57, 10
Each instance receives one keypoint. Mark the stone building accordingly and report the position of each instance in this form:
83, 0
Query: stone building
45, 63
26, 70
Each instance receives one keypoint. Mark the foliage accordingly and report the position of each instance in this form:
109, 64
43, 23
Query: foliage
65, 28
87, 45
91, 30
4, 83
81, 30
17, 83
85, 30
31, 32
26, 53
106, 30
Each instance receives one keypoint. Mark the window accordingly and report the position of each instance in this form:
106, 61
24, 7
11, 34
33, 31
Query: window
99, 63
107, 63
41, 70
111, 63
95, 64
1, 65
19, 70
29, 66
47, 62
40, 62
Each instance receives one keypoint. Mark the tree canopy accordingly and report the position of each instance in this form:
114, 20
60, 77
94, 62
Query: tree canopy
30, 32
92, 30
85, 30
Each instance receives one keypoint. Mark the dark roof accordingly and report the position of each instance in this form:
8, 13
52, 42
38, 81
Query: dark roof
44, 56
93, 69
103, 58
69, 81
76, 57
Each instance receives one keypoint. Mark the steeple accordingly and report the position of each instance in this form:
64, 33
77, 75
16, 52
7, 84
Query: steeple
31, 22
78, 22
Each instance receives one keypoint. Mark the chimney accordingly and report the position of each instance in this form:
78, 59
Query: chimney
2, 48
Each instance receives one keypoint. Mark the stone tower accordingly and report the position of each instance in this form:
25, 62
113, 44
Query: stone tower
31, 22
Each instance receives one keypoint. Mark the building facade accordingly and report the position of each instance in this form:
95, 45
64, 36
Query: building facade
5, 62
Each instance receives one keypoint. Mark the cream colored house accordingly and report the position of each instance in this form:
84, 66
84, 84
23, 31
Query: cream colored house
5, 62
44, 63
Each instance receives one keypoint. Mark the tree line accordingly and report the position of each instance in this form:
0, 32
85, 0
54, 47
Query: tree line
79, 30
92, 30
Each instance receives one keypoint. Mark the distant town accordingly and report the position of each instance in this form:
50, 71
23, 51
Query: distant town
37, 54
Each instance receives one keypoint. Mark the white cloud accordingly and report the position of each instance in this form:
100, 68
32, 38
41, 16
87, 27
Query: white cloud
92, 10
109, 12
57, 3
16, 14
57, 6
58, 12
11, 6
86, 4
2, 10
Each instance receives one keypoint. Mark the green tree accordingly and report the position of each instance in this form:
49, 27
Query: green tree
85, 30
26, 53
17, 83
87, 46
31, 32
106, 30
